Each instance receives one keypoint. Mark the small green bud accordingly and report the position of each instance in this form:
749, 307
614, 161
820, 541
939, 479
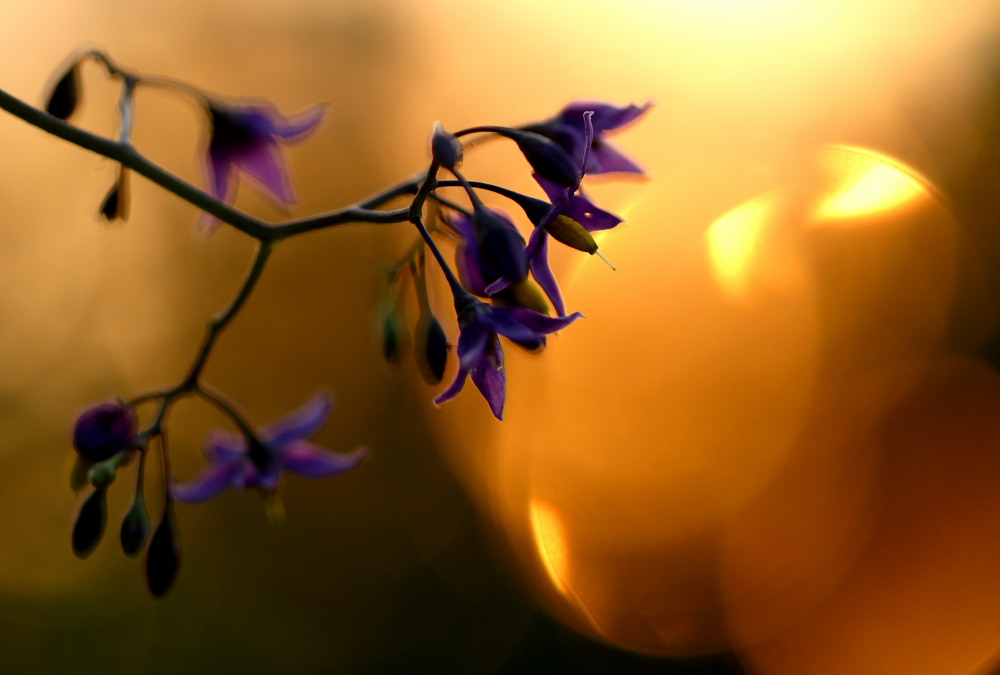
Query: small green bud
102, 474
567, 231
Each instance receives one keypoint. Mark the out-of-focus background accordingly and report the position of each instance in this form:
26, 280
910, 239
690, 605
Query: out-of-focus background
772, 447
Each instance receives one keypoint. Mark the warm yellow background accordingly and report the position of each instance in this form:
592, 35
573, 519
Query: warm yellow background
775, 433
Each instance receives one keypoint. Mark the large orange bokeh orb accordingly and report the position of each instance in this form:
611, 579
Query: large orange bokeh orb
702, 464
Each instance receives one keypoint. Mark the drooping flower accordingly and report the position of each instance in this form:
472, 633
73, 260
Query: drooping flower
245, 137
480, 355
236, 461
567, 130
570, 220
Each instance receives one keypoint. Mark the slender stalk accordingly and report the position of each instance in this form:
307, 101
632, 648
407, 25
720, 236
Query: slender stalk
219, 322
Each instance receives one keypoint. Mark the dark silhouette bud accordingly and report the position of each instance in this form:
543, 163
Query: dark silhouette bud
163, 558
546, 158
115, 204
65, 95
501, 246
104, 431
445, 148
89, 524
392, 325
432, 348
135, 529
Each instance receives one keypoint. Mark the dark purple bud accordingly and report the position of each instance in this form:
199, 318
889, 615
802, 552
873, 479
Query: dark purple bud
65, 95
104, 431
445, 148
432, 349
89, 524
547, 159
115, 204
135, 529
163, 559
501, 246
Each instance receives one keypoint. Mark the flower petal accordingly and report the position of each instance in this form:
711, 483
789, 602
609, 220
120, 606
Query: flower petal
456, 386
538, 261
209, 483
490, 378
525, 325
607, 117
223, 446
264, 163
606, 159
312, 461
295, 128
221, 176
473, 340
301, 423
590, 216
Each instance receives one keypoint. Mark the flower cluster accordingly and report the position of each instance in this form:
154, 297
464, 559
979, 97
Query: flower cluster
500, 280
499, 273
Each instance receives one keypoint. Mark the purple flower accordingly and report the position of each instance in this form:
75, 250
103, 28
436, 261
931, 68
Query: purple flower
567, 130
238, 462
570, 211
245, 137
479, 352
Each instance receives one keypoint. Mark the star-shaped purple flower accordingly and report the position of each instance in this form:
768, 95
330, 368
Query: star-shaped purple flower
567, 130
479, 352
238, 462
574, 207
245, 138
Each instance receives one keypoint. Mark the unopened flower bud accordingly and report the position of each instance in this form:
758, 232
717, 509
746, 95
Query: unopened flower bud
104, 431
546, 158
135, 529
431, 348
102, 474
500, 244
115, 204
568, 231
392, 325
163, 559
65, 95
89, 524
446, 148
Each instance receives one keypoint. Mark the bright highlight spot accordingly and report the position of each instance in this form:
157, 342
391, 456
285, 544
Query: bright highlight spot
734, 241
873, 183
550, 541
